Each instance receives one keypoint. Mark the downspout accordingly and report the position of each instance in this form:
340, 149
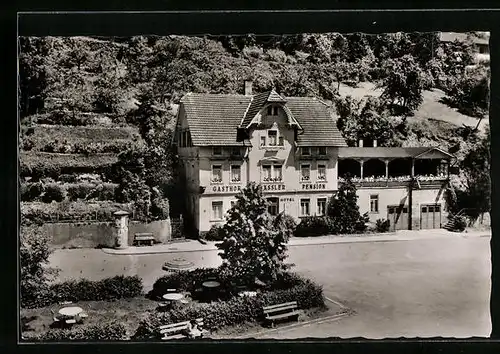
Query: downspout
410, 196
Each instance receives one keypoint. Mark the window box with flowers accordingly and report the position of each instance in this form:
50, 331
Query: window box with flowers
216, 177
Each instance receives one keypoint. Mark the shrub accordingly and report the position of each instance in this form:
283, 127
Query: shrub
237, 310
382, 225
288, 222
313, 226
215, 233
459, 223
53, 192
33, 258
184, 281
79, 190
31, 191
102, 331
118, 287
160, 208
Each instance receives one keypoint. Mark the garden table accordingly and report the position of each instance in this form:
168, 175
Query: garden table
71, 311
173, 297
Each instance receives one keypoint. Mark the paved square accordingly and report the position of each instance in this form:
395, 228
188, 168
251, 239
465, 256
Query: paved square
417, 288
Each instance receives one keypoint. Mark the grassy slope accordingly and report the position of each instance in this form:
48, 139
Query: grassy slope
431, 108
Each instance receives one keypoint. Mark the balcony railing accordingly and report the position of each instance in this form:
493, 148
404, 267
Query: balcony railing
428, 180
272, 179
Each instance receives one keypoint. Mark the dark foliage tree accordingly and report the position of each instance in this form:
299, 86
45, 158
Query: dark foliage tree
254, 244
404, 83
343, 210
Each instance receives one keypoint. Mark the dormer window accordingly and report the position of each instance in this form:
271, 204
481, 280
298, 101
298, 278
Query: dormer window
272, 110
217, 150
305, 151
322, 150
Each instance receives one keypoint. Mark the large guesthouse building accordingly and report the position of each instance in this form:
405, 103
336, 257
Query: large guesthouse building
292, 147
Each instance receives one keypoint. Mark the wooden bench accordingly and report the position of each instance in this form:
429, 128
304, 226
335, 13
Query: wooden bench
179, 330
281, 311
144, 238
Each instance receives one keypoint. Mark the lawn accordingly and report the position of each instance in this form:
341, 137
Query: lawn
127, 311
431, 108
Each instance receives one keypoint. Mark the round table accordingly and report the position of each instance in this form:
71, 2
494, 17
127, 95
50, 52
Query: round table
211, 284
70, 311
173, 297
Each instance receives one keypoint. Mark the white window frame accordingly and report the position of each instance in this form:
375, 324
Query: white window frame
319, 150
305, 201
281, 140
302, 168
231, 172
263, 140
377, 199
325, 200
212, 179
277, 167
270, 137
304, 149
214, 216
264, 176
318, 174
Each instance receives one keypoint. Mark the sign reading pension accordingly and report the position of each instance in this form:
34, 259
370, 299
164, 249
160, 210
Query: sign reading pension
310, 186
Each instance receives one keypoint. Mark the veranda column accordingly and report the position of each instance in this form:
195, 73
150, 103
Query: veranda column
361, 162
386, 169
121, 225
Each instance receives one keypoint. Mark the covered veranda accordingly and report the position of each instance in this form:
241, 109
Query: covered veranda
393, 163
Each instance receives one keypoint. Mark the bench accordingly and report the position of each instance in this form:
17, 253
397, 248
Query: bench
179, 330
144, 238
281, 311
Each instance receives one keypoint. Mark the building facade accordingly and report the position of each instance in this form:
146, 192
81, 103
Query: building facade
292, 147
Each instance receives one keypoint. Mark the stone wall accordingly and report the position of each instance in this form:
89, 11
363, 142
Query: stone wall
94, 234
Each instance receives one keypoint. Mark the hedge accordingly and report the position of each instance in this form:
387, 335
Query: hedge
36, 212
34, 191
118, 287
41, 164
103, 331
235, 311
313, 226
71, 118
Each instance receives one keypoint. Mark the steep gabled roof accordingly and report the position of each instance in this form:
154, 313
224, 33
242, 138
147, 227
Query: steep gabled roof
213, 119
319, 128
258, 101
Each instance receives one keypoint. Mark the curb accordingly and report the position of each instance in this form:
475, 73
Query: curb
335, 317
388, 237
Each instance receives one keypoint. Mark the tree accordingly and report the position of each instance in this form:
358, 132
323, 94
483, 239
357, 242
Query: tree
366, 119
476, 172
254, 244
404, 83
343, 210
33, 258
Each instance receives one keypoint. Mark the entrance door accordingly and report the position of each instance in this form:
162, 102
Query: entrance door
430, 216
274, 207
398, 217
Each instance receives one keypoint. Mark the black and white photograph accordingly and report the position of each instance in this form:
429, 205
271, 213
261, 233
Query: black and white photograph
282, 186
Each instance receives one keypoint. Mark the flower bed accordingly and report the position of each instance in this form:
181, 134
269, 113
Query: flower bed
234, 311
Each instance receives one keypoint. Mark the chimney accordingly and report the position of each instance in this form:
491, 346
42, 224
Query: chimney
374, 143
248, 87
360, 143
